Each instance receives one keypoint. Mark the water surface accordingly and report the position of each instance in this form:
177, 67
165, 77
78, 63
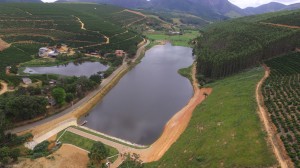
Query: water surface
139, 106
70, 69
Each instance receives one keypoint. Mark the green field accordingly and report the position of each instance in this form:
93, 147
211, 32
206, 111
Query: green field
84, 143
31, 26
225, 130
176, 40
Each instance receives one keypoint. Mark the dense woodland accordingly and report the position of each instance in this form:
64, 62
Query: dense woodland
229, 47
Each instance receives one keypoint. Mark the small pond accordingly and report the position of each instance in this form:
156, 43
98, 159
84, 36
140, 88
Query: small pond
70, 69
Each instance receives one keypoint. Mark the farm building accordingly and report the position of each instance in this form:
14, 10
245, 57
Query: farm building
119, 53
27, 81
53, 54
43, 52
7, 70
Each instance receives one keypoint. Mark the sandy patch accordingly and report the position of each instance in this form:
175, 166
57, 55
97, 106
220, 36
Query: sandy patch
3, 87
3, 45
67, 156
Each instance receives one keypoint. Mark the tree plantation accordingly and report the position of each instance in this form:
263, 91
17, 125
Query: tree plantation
228, 47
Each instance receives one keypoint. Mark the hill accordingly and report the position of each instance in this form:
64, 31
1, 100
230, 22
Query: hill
270, 7
23, 1
209, 9
229, 47
87, 28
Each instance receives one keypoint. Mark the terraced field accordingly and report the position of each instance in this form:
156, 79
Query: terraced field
83, 27
62, 23
281, 93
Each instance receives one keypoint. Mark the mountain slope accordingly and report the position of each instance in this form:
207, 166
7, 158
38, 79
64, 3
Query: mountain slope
270, 7
27, 1
211, 9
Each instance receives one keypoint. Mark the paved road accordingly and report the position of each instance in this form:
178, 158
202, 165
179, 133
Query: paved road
82, 101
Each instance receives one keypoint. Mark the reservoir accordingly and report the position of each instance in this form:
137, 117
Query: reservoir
146, 98
70, 69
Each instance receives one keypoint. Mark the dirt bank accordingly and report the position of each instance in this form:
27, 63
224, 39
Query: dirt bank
67, 156
281, 25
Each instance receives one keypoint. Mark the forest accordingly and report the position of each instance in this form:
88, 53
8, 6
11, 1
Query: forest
229, 47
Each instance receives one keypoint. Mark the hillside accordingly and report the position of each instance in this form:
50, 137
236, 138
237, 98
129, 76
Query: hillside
212, 9
87, 28
23, 1
270, 7
229, 47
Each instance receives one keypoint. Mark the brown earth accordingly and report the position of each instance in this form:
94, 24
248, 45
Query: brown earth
3, 45
281, 25
68, 156
3, 88
273, 140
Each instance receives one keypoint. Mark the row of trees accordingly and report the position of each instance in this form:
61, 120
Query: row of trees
229, 47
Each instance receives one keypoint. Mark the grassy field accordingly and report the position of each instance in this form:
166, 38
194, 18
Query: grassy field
105, 137
177, 40
225, 130
82, 142
186, 72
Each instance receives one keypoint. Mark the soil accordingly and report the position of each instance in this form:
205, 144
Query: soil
281, 25
67, 156
273, 140
3, 87
3, 45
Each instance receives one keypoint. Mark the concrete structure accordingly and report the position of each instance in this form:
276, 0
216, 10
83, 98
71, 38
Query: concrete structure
7, 70
43, 52
27, 81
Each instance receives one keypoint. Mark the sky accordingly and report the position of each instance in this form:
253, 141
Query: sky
245, 3
255, 3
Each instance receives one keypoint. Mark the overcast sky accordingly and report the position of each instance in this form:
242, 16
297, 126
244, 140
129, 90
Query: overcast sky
245, 3
255, 3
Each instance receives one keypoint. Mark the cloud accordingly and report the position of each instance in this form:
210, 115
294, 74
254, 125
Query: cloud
255, 3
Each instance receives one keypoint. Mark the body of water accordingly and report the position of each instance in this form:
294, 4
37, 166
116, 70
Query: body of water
146, 98
71, 69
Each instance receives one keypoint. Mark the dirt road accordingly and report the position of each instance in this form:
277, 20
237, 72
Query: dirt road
83, 105
3, 45
3, 87
281, 25
267, 124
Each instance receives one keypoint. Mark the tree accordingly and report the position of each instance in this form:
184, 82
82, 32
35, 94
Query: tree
69, 97
96, 78
98, 153
59, 94
24, 107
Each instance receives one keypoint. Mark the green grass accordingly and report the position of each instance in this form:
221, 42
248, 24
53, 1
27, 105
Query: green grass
225, 130
186, 72
113, 140
84, 143
176, 40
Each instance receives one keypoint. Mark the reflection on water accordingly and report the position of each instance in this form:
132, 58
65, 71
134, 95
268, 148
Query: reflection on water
139, 106
70, 69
